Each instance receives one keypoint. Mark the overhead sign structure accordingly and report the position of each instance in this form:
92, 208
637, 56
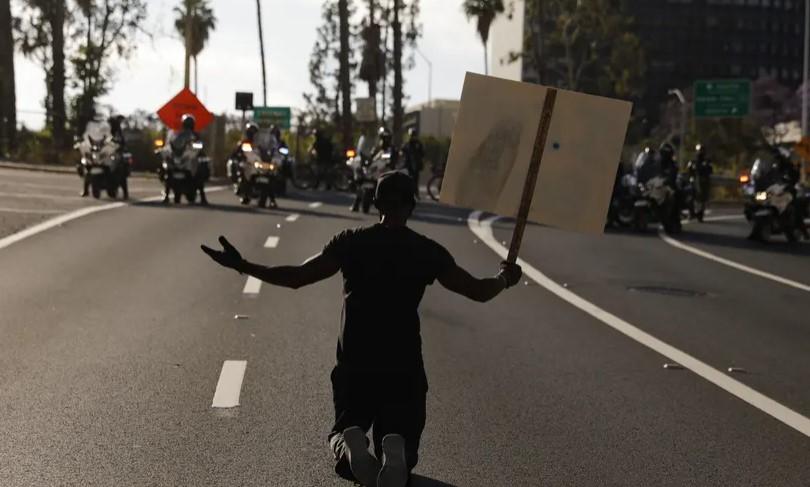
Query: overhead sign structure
366, 111
183, 103
281, 117
724, 98
535, 153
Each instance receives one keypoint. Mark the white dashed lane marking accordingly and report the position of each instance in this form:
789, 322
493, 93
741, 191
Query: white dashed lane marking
315, 204
252, 286
293, 217
271, 243
229, 385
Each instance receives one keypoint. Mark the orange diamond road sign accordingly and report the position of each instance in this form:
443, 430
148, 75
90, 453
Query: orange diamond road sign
185, 102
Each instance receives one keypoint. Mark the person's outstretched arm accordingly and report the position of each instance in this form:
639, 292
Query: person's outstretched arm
315, 269
460, 281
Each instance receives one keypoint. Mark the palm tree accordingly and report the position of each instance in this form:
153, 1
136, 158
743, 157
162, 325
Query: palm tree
195, 21
484, 11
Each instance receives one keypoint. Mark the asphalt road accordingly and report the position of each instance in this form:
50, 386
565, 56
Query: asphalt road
114, 328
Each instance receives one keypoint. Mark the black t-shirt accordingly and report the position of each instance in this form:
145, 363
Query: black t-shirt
385, 272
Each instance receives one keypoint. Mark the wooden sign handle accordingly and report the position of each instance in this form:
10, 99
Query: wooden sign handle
531, 177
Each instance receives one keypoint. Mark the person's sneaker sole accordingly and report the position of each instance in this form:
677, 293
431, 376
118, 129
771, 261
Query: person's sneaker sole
394, 471
363, 464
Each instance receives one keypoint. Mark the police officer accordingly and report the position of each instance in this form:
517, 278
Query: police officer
414, 153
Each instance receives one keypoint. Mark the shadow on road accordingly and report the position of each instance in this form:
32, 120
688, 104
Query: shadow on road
420, 481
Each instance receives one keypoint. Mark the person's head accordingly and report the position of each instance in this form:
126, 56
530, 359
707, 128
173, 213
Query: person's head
188, 122
413, 133
275, 131
667, 151
700, 152
251, 129
115, 122
395, 196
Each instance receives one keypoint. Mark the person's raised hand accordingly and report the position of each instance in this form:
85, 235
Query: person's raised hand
511, 273
227, 257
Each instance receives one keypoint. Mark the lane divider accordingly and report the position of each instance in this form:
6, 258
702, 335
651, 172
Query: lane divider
483, 230
229, 386
73, 215
730, 263
293, 217
272, 242
315, 204
252, 286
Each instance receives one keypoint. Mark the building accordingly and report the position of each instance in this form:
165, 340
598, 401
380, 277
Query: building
686, 40
433, 119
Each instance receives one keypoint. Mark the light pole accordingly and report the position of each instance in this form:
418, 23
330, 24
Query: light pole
430, 76
682, 149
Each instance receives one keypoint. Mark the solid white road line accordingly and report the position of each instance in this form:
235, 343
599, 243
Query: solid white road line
271, 243
252, 286
315, 204
40, 196
292, 218
61, 219
730, 263
229, 385
3, 209
483, 230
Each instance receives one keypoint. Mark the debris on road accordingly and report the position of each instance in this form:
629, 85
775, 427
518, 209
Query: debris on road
737, 370
673, 366
241, 317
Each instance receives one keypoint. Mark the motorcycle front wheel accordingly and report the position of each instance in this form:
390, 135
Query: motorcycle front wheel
303, 176
342, 179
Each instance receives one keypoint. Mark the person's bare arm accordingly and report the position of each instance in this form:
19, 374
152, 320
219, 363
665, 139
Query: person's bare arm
462, 282
316, 268
313, 270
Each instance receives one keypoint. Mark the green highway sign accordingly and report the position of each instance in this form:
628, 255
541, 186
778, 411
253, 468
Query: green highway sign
278, 116
722, 98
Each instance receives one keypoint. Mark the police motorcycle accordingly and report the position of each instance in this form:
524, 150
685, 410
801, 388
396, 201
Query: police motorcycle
185, 167
257, 169
775, 202
621, 212
652, 197
366, 172
695, 185
103, 165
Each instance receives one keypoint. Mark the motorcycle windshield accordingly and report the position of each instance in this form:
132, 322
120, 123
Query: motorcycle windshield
763, 174
647, 166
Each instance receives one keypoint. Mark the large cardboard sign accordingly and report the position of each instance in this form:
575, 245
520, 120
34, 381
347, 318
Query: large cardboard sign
492, 147
185, 102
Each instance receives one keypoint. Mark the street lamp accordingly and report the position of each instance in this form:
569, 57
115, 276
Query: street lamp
430, 76
682, 99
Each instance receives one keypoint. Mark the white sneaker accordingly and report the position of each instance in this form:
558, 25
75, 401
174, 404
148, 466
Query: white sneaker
394, 472
363, 464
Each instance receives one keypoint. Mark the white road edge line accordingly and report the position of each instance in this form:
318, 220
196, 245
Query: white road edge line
730, 263
315, 204
62, 219
229, 385
272, 242
252, 286
32, 211
483, 230
293, 217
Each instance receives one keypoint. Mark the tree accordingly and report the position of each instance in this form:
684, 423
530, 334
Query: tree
106, 30
584, 45
8, 93
484, 11
261, 53
194, 22
321, 105
344, 75
409, 12
42, 36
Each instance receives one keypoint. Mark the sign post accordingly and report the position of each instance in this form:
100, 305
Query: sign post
531, 177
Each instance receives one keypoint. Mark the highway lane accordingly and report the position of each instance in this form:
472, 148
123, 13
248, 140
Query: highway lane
115, 329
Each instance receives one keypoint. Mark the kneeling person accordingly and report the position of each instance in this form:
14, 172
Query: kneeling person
379, 379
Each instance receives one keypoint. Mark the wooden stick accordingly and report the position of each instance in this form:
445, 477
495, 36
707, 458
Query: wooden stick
531, 177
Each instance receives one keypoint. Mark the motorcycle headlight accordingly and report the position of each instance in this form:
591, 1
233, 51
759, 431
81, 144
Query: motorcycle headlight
272, 167
257, 165
197, 145
247, 147
284, 151
761, 196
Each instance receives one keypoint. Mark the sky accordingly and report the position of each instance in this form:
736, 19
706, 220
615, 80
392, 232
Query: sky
230, 62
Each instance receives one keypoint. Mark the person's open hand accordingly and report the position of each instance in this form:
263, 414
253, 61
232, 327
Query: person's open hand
227, 257
511, 273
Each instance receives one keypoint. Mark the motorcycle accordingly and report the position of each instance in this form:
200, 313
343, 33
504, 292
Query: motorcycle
366, 172
185, 167
652, 198
258, 172
772, 206
103, 162
622, 209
